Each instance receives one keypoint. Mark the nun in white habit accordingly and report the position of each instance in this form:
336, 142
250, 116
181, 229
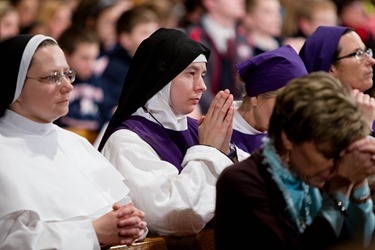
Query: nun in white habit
56, 190
170, 161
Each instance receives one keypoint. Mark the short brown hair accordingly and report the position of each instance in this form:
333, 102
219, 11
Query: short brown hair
317, 108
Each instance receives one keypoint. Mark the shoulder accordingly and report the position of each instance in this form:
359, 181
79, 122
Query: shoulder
247, 171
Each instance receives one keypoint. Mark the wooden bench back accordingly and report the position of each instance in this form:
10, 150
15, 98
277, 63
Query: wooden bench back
202, 241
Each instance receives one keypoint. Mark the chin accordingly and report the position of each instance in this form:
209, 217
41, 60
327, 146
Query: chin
62, 113
317, 184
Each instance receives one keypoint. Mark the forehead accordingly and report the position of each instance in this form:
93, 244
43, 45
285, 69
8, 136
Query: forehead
197, 66
350, 42
47, 58
315, 150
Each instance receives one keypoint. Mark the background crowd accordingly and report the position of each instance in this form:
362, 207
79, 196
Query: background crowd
234, 32
170, 92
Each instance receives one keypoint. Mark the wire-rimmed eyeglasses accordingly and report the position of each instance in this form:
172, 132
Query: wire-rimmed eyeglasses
359, 54
55, 78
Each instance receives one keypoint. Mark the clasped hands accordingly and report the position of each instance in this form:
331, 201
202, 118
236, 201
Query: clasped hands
123, 225
215, 128
355, 164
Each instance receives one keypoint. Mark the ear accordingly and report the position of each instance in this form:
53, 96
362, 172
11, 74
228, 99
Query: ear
124, 39
304, 26
333, 70
254, 101
286, 142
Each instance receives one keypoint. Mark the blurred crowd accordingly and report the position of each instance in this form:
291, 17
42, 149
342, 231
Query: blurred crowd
99, 38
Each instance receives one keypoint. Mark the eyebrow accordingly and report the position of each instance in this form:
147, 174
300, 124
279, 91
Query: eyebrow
196, 68
358, 48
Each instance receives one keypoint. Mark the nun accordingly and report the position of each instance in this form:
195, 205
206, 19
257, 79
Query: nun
171, 161
57, 190
264, 76
340, 51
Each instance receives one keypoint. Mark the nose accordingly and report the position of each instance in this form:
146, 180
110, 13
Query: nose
371, 60
200, 85
66, 84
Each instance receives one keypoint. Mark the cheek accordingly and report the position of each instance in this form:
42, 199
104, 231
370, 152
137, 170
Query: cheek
313, 169
266, 108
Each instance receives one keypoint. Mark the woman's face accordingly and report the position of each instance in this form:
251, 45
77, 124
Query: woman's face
311, 163
266, 17
187, 88
358, 73
40, 100
83, 59
60, 21
9, 25
105, 27
262, 112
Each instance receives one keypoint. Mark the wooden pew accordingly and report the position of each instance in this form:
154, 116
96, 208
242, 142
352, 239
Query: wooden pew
150, 243
90, 135
202, 241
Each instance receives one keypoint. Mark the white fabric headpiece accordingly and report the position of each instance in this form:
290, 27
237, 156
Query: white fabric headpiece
27, 55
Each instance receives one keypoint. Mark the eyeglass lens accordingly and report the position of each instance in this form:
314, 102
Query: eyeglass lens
56, 78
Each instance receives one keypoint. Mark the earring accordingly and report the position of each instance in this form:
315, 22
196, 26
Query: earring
286, 157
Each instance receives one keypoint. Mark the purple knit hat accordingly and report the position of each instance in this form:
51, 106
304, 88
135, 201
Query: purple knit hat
271, 70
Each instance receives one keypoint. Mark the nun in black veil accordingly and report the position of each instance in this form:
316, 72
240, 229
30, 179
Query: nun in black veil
170, 160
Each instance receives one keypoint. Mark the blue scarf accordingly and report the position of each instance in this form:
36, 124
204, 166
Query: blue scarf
303, 201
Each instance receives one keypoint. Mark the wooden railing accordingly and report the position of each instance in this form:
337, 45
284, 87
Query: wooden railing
202, 241
90, 135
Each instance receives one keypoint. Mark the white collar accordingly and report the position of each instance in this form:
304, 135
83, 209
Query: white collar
162, 111
24, 125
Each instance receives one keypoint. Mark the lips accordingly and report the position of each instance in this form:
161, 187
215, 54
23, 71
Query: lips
64, 101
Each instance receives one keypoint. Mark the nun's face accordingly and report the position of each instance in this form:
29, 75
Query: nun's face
263, 111
187, 88
40, 100
358, 73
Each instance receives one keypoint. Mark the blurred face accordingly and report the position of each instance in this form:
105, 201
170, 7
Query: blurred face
225, 9
311, 164
140, 32
105, 27
262, 112
60, 22
187, 88
40, 100
357, 73
83, 59
9, 25
321, 17
27, 10
266, 17
354, 14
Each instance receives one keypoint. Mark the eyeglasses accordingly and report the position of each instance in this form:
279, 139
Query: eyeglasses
55, 78
359, 54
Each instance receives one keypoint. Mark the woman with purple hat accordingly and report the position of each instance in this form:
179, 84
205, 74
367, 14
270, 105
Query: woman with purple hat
264, 77
340, 51
56, 190
306, 188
